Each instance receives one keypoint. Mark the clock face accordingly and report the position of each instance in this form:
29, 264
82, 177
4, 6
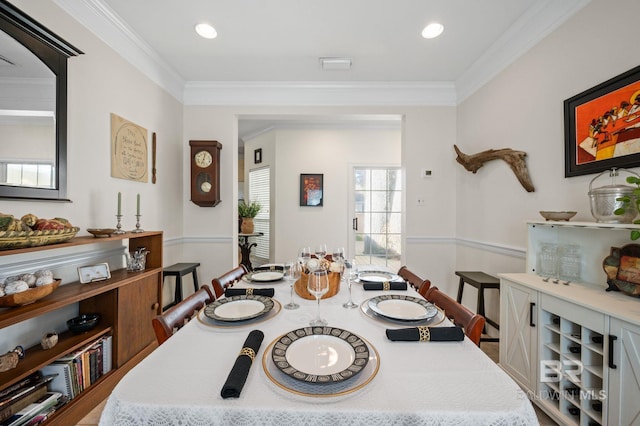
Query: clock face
203, 159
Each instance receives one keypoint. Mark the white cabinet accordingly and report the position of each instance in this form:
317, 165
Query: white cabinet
624, 373
577, 350
518, 336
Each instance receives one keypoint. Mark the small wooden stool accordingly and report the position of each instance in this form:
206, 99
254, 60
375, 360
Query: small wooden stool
479, 280
179, 270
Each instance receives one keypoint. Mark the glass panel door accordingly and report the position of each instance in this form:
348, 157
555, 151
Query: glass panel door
377, 220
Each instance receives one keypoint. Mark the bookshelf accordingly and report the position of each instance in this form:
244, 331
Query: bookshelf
126, 299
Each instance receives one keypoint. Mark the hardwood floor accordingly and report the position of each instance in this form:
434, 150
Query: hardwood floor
490, 348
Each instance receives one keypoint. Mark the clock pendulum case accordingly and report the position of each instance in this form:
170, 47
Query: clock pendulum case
205, 173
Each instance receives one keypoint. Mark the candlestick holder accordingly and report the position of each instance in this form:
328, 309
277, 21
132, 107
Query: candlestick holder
138, 229
119, 225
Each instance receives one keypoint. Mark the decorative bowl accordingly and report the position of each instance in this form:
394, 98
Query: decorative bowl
557, 215
82, 323
28, 296
49, 340
101, 232
21, 239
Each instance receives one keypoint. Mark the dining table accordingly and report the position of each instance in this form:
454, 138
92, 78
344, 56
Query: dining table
403, 382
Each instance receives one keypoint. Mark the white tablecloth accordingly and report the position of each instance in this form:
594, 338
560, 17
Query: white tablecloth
430, 383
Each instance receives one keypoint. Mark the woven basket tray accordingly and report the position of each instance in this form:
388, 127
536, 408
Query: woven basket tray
21, 239
300, 286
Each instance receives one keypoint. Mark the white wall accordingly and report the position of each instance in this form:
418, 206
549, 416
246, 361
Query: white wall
428, 135
101, 82
522, 108
328, 151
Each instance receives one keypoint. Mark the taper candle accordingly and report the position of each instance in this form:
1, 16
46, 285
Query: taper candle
138, 213
119, 203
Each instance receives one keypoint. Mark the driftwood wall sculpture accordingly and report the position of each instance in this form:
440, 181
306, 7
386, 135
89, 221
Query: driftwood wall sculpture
515, 159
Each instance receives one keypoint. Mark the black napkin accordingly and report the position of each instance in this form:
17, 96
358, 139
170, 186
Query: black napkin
389, 285
255, 291
269, 268
426, 334
238, 374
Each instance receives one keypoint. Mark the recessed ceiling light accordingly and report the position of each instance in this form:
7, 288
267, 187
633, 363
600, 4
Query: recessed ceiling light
206, 31
432, 30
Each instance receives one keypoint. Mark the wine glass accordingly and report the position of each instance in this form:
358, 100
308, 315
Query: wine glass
338, 254
318, 285
321, 251
293, 271
305, 255
350, 270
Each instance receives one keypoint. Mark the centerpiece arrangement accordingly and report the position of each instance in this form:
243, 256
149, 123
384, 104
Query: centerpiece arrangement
247, 213
333, 269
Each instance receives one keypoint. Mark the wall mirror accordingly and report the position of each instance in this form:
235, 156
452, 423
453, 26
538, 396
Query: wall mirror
33, 108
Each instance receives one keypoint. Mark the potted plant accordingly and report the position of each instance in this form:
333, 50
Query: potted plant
247, 212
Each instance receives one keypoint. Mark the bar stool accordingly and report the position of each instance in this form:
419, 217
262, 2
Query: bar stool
179, 270
481, 281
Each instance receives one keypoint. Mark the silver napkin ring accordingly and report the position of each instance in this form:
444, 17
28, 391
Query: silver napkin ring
248, 352
425, 334
249, 292
386, 286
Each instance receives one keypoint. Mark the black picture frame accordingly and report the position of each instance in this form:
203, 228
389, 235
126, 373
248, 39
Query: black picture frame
599, 126
311, 189
257, 156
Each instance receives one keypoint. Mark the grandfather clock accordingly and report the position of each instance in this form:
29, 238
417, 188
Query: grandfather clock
205, 173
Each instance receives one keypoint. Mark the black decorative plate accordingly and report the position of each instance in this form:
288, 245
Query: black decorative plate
320, 355
403, 308
238, 308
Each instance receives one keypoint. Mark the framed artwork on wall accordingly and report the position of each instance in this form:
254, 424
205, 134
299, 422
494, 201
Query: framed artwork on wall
311, 190
602, 126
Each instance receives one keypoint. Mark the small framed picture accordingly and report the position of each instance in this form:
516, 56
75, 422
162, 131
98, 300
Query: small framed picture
311, 190
93, 273
257, 156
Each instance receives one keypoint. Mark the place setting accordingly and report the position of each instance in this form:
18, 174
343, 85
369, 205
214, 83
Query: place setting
402, 310
265, 274
240, 310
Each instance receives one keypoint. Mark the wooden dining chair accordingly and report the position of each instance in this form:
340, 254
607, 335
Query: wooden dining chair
228, 279
415, 281
178, 315
471, 323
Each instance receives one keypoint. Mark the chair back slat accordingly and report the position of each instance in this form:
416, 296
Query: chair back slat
415, 281
167, 323
228, 279
472, 323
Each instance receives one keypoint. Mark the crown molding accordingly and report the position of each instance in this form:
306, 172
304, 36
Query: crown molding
102, 21
533, 26
540, 20
319, 93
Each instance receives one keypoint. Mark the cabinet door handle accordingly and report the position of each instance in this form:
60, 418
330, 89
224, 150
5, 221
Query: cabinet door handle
354, 223
155, 306
612, 339
531, 306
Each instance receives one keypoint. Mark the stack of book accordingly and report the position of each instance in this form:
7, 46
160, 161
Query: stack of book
28, 402
79, 369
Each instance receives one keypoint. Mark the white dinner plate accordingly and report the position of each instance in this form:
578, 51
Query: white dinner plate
234, 325
326, 393
238, 308
320, 355
385, 321
265, 276
400, 307
376, 277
